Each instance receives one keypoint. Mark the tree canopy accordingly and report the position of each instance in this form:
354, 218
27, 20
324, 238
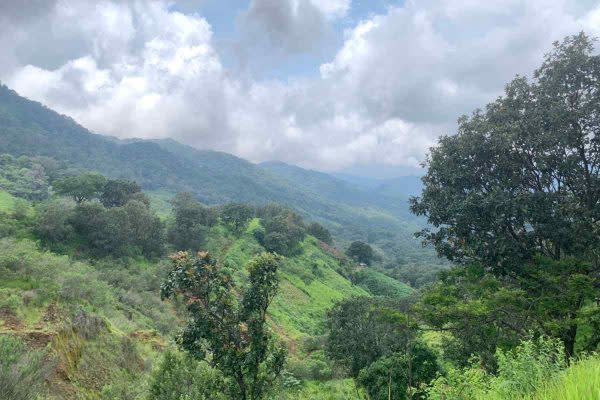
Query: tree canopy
514, 197
233, 330
361, 252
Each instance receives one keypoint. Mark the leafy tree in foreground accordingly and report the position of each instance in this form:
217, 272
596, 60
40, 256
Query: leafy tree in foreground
520, 181
80, 188
361, 252
232, 330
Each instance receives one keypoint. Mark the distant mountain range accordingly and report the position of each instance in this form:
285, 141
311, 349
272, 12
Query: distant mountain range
353, 208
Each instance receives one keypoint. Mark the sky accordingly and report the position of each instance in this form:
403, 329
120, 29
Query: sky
365, 86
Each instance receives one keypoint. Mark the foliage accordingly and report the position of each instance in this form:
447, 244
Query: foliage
192, 220
23, 177
21, 370
283, 230
521, 372
126, 230
183, 378
397, 375
236, 216
320, 232
522, 178
233, 331
363, 329
52, 221
117, 192
361, 252
516, 191
80, 188
484, 312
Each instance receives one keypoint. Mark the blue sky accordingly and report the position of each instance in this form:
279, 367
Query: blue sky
365, 86
224, 17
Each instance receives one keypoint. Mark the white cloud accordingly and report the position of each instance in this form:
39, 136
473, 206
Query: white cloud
138, 68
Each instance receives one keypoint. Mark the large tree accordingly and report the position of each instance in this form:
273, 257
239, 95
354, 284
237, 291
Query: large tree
117, 192
363, 329
191, 223
230, 331
236, 215
80, 187
520, 180
361, 252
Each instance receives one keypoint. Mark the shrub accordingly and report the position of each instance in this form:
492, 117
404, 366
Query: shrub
21, 370
180, 377
521, 372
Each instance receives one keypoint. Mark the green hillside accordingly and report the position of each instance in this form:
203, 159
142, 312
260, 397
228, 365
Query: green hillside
76, 309
29, 128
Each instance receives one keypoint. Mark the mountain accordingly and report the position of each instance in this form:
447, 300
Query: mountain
401, 186
29, 128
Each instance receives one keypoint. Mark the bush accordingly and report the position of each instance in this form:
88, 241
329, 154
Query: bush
52, 223
394, 375
521, 372
21, 370
320, 232
180, 377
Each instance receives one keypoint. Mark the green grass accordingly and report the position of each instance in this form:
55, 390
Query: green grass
342, 389
379, 284
160, 202
581, 381
7, 202
310, 283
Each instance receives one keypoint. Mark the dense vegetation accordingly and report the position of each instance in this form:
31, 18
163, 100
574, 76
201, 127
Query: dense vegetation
106, 293
167, 167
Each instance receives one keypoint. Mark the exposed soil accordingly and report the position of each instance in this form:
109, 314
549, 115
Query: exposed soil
10, 320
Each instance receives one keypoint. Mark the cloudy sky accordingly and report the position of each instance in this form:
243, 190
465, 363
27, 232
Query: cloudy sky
326, 84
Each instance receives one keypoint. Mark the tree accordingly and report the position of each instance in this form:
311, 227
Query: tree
361, 252
284, 230
191, 223
236, 215
117, 192
400, 375
80, 188
52, 221
363, 329
320, 232
132, 229
233, 330
520, 181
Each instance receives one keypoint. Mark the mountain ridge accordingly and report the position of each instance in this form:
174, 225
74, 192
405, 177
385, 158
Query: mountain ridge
30, 128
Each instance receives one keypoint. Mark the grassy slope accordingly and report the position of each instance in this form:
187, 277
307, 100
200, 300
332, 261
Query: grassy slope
581, 381
42, 293
165, 166
310, 281
7, 201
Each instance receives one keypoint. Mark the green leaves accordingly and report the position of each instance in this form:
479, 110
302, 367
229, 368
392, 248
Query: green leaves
522, 177
233, 330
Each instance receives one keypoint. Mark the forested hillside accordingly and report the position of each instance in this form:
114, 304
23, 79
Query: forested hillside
28, 128
127, 271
